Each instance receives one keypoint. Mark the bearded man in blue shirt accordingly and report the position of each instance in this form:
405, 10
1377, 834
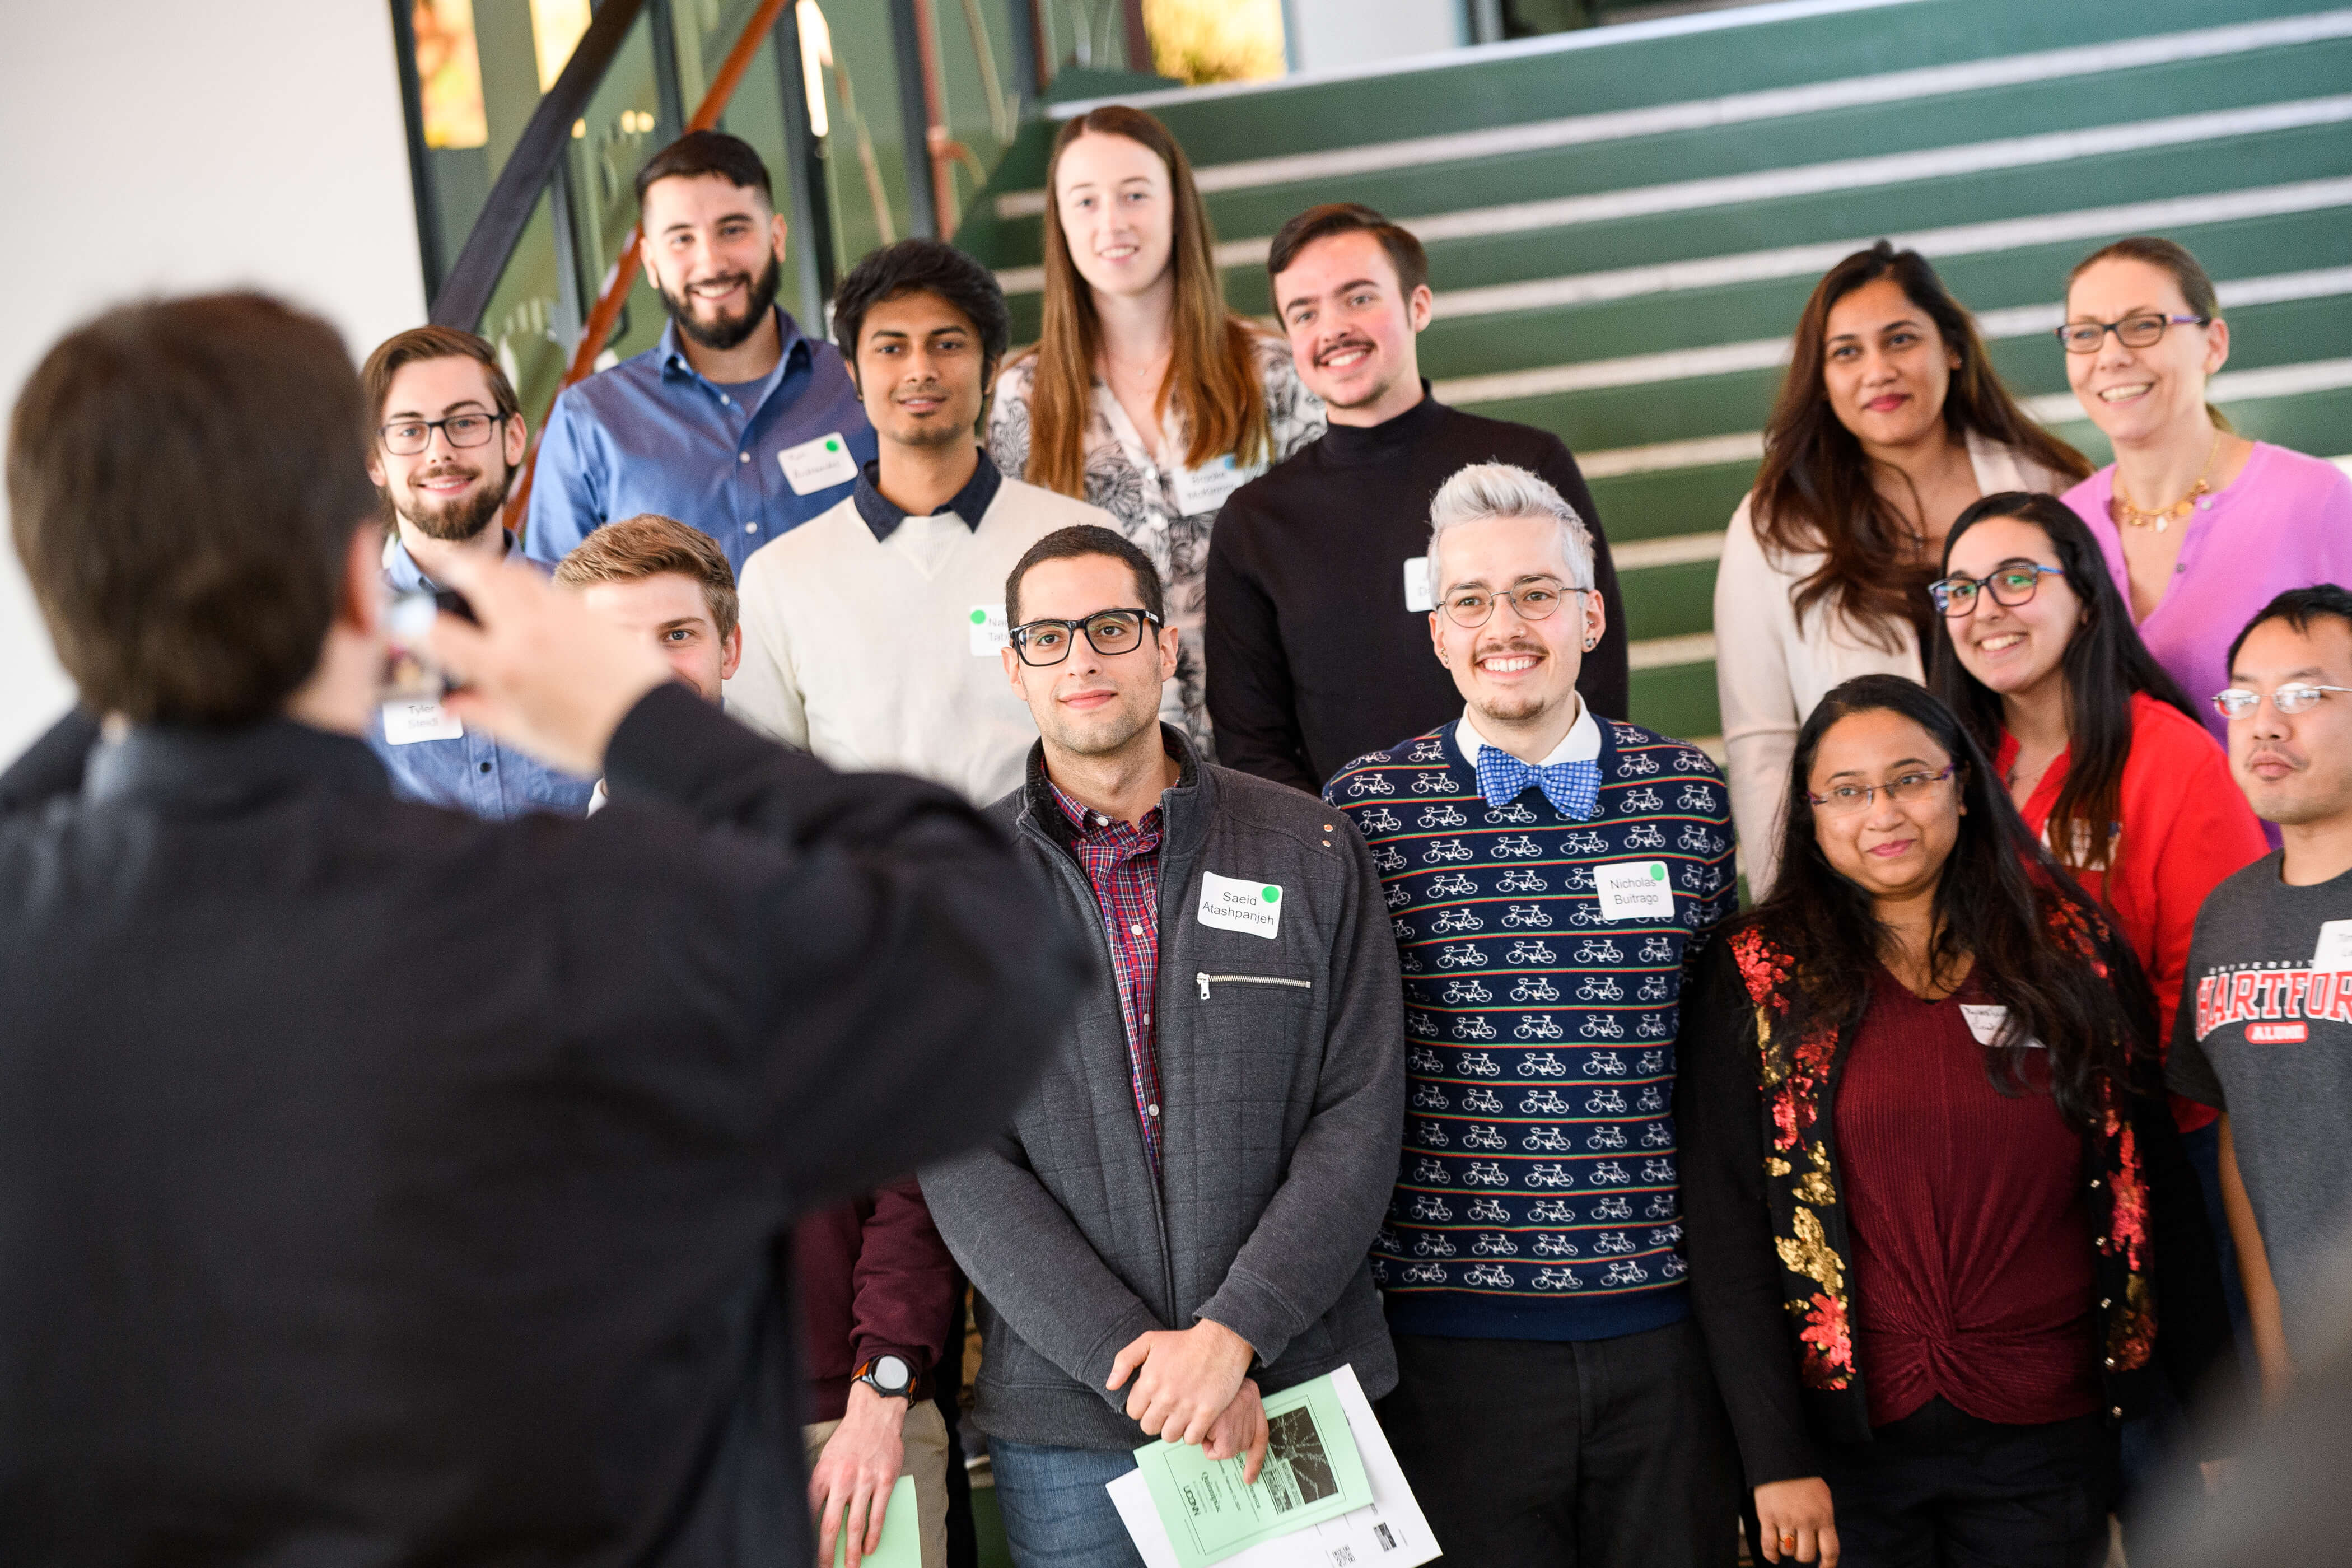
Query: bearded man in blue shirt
734, 422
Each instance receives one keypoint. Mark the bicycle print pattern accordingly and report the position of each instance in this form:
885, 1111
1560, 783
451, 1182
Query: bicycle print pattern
1539, 1161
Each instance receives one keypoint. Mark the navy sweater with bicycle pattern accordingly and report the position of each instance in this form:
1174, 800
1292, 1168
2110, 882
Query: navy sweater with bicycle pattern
1535, 1195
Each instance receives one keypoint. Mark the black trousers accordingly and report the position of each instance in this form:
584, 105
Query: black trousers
1593, 1454
1940, 1489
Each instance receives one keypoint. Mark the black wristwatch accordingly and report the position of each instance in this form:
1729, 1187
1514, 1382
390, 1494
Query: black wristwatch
889, 1375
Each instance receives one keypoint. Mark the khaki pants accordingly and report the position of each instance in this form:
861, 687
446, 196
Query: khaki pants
926, 1458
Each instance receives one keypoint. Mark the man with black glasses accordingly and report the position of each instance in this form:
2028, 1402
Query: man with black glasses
449, 437
1177, 1220
871, 634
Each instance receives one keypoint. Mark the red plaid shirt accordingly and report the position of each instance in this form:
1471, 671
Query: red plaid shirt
1122, 863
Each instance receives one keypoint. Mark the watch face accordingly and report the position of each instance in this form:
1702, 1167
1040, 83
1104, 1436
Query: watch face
891, 1374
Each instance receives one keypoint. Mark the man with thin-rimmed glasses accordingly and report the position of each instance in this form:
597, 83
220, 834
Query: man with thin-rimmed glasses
449, 442
2264, 1030
1178, 1218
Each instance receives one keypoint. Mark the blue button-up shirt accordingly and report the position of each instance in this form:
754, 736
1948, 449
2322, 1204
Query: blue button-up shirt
653, 435
471, 773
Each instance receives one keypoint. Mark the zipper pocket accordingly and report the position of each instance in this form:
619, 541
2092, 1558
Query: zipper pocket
1207, 980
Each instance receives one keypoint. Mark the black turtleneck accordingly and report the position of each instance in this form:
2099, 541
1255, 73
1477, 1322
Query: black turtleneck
1313, 659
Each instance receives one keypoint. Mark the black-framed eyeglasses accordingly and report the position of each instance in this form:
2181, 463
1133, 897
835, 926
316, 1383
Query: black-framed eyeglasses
1107, 632
1534, 602
1846, 799
2134, 331
2012, 582
407, 437
2292, 698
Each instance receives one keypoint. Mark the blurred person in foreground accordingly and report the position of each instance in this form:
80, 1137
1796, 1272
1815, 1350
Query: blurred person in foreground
382, 1184
879, 1292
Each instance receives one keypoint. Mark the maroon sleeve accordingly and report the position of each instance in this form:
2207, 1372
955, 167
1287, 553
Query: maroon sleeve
902, 1286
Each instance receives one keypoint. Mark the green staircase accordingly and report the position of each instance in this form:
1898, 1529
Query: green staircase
1623, 224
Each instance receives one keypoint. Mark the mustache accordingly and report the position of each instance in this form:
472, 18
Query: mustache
1352, 341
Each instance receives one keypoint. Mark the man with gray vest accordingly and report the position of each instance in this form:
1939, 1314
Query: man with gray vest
1177, 1219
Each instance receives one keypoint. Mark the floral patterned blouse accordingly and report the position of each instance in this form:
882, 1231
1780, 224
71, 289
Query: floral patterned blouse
1123, 479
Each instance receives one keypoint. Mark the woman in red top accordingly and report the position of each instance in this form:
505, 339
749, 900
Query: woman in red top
2096, 744
2101, 752
1917, 1106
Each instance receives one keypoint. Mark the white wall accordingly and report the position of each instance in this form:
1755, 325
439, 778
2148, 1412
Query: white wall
1330, 33
154, 146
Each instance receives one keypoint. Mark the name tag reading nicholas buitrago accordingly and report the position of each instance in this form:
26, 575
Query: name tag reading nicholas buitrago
1230, 903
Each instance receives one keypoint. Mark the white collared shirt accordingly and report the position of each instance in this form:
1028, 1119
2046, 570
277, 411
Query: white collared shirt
1581, 745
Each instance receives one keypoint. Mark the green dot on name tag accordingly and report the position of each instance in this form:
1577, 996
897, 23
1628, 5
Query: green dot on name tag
979, 617
1658, 873
832, 445
1271, 894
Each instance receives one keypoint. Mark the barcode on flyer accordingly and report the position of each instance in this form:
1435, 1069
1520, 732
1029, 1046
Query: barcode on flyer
1387, 1537
1342, 1556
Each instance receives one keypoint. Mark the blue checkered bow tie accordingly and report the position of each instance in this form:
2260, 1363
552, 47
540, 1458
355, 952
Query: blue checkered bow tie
1574, 788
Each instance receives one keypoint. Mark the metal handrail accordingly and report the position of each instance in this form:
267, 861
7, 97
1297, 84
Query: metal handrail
474, 277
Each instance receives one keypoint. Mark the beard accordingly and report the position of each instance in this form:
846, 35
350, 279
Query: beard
727, 332
458, 520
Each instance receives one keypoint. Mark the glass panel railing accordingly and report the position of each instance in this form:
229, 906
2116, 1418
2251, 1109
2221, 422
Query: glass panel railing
864, 161
847, 188
534, 318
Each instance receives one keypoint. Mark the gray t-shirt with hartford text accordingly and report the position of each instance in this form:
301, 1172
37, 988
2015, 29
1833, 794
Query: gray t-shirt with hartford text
2266, 1036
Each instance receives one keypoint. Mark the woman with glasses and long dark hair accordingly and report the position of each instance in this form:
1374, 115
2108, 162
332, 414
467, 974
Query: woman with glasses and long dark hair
2200, 526
1918, 1110
2096, 745
1890, 421
1146, 395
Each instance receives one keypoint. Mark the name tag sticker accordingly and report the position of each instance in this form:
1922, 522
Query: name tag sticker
1634, 891
988, 631
1984, 1020
1204, 489
1416, 584
818, 465
1230, 903
405, 723
2334, 953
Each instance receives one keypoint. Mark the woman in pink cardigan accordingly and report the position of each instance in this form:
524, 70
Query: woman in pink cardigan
2200, 526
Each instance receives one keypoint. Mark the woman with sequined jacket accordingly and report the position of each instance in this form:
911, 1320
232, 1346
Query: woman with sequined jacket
1918, 1107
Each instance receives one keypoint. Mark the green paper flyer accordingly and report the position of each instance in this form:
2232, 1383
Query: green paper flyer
1312, 1472
902, 1533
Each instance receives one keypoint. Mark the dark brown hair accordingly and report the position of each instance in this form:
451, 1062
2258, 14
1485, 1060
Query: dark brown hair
701, 152
1996, 901
420, 344
1815, 490
1211, 379
1405, 254
1080, 539
2105, 666
184, 478
922, 267
647, 545
2189, 273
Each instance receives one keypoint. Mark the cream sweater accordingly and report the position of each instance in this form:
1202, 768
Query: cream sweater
866, 653
1770, 667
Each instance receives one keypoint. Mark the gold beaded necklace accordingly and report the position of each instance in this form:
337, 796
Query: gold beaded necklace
2129, 512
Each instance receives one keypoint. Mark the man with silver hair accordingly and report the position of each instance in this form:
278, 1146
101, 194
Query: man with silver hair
1550, 873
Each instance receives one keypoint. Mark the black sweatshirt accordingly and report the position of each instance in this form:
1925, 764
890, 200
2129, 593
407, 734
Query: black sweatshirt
1313, 659
381, 1185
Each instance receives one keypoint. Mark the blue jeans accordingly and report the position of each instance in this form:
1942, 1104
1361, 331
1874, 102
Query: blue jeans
1056, 1513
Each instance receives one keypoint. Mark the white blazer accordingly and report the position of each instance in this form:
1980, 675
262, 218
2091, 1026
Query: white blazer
1770, 667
